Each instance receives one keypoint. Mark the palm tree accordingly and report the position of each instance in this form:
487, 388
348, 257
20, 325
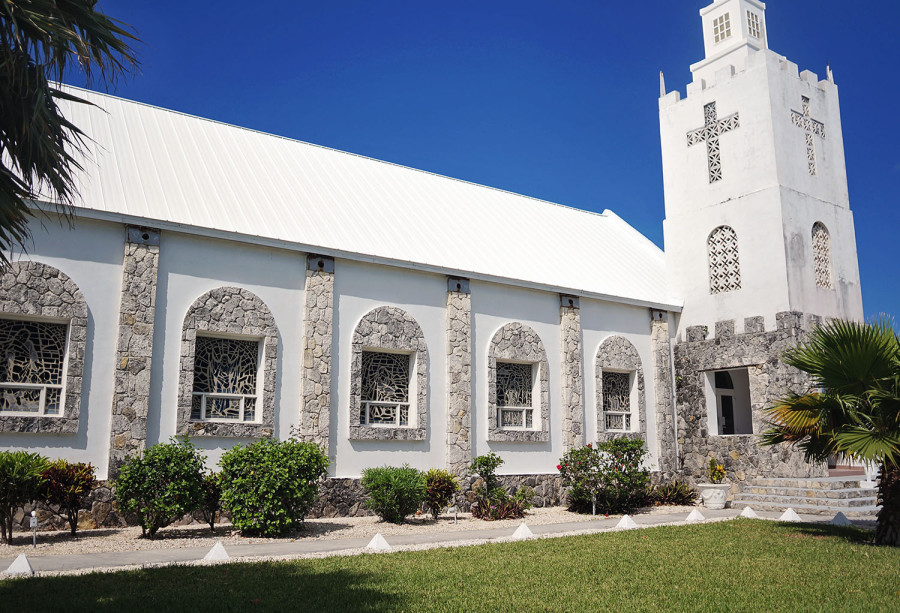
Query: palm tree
854, 412
40, 42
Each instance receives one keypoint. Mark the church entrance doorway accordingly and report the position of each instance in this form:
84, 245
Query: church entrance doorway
728, 402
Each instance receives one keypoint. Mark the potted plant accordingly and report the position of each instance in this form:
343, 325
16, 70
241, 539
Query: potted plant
715, 492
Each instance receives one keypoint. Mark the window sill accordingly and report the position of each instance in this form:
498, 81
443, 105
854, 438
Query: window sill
504, 435
227, 429
386, 433
38, 424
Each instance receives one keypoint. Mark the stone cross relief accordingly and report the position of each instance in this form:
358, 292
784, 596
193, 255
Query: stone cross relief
710, 132
810, 126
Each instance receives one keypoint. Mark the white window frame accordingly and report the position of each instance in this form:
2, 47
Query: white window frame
722, 28
754, 25
534, 408
411, 392
42, 386
632, 401
260, 344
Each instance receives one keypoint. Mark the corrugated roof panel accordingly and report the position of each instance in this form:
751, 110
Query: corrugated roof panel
177, 169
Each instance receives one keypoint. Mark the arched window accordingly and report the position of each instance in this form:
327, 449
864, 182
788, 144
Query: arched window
229, 356
724, 260
821, 242
389, 377
518, 386
620, 389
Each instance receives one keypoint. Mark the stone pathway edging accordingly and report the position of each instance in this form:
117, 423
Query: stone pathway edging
74, 564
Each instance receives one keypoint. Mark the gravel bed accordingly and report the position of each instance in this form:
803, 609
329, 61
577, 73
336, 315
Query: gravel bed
128, 539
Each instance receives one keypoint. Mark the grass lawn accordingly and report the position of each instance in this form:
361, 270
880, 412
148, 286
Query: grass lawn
742, 565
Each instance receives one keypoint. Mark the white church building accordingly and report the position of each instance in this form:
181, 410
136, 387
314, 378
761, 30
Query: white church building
228, 285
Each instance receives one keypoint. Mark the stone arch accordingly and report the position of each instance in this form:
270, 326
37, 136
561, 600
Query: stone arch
516, 342
821, 247
229, 312
724, 260
617, 354
394, 330
32, 291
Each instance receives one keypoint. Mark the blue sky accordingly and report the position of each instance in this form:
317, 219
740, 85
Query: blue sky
556, 100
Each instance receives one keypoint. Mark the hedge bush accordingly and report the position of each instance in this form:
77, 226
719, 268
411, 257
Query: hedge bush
440, 488
394, 492
161, 484
211, 499
268, 486
66, 486
21, 478
611, 475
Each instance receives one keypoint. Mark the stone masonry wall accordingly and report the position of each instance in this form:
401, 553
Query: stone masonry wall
662, 384
759, 351
572, 373
315, 375
134, 349
40, 291
459, 376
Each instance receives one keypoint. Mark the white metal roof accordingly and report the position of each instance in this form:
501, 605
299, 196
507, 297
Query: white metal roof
169, 169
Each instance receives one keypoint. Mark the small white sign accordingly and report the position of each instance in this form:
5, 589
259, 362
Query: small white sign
34, 522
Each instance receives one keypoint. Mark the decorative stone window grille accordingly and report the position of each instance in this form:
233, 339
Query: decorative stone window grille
722, 27
225, 380
43, 331
388, 377
518, 386
31, 375
620, 390
617, 401
385, 389
227, 374
821, 242
753, 25
515, 386
724, 260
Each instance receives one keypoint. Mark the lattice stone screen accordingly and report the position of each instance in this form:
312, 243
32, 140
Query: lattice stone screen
225, 380
617, 401
811, 127
821, 242
384, 392
515, 385
712, 129
31, 375
724, 261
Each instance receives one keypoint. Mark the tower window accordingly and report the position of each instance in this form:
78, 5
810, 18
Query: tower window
722, 27
821, 243
724, 260
753, 25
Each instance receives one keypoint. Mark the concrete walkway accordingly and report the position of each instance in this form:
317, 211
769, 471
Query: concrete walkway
136, 559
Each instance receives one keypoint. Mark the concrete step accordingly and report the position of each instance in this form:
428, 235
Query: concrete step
856, 512
854, 492
820, 483
865, 501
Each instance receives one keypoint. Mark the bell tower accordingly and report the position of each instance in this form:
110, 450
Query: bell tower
758, 216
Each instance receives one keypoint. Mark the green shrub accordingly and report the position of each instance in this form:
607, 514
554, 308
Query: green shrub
674, 493
269, 486
161, 484
211, 499
609, 478
492, 501
394, 492
66, 485
440, 488
20, 483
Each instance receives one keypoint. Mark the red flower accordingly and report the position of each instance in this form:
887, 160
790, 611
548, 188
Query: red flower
590, 446
558, 467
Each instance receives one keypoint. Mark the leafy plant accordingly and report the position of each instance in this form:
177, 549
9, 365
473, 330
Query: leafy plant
674, 493
715, 471
269, 486
66, 485
492, 501
440, 487
161, 484
394, 492
608, 478
21, 477
211, 499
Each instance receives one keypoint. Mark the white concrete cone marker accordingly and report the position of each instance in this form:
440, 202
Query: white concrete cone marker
695, 515
217, 552
20, 566
626, 523
378, 543
841, 520
522, 533
749, 513
790, 515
